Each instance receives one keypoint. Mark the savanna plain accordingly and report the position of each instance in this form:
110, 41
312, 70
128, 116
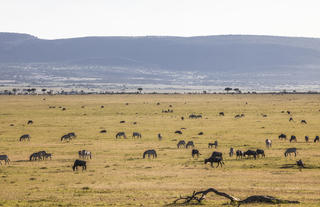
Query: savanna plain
117, 175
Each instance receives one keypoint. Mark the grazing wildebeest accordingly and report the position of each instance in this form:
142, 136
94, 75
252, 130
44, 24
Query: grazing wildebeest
195, 152
190, 144
102, 107
182, 118
282, 136
103, 131
231, 152
25, 137
199, 116
289, 151
268, 143
316, 139
136, 134
291, 119
260, 152
48, 155
66, 137
5, 158
237, 116
264, 115
303, 122
81, 163
216, 154
72, 134
35, 156
135, 123
63, 109
121, 134
288, 112
85, 154
239, 154
121, 122
218, 160
215, 144
306, 138
221, 113
200, 133
178, 132
30, 122
250, 153
149, 153
181, 143
159, 137
293, 138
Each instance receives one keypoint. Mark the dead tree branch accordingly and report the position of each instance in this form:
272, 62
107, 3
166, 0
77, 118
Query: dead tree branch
201, 195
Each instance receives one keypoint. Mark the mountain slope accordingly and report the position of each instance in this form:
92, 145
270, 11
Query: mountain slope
238, 53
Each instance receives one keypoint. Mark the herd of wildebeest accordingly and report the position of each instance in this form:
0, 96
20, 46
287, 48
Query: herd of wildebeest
216, 157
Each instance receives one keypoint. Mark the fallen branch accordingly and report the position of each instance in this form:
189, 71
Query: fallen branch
201, 195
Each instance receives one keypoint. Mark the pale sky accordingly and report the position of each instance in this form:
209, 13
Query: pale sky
52, 19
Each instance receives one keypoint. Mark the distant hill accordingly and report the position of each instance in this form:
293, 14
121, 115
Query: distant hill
240, 53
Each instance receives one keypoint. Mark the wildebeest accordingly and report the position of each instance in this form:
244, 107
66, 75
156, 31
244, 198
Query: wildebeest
215, 144
264, 115
282, 136
85, 154
293, 138
195, 152
316, 139
121, 134
221, 113
291, 119
218, 160
5, 158
288, 112
239, 154
30, 122
181, 143
136, 134
237, 116
303, 122
159, 137
25, 137
178, 132
66, 137
38, 155
102, 106
78, 163
216, 154
190, 144
182, 118
231, 151
48, 155
200, 133
306, 138
268, 143
289, 151
260, 152
121, 122
103, 131
72, 134
250, 153
194, 116
149, 153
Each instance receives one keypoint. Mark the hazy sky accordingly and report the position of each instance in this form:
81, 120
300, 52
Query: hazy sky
53, 19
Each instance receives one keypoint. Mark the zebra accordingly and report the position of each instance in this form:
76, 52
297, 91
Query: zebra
136, 134
268, 143
84, 154
5, 158
121, 134
149, 153
25, 137
181, 143
289, 151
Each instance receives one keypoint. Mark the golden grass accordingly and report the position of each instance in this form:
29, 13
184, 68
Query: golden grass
118, 176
